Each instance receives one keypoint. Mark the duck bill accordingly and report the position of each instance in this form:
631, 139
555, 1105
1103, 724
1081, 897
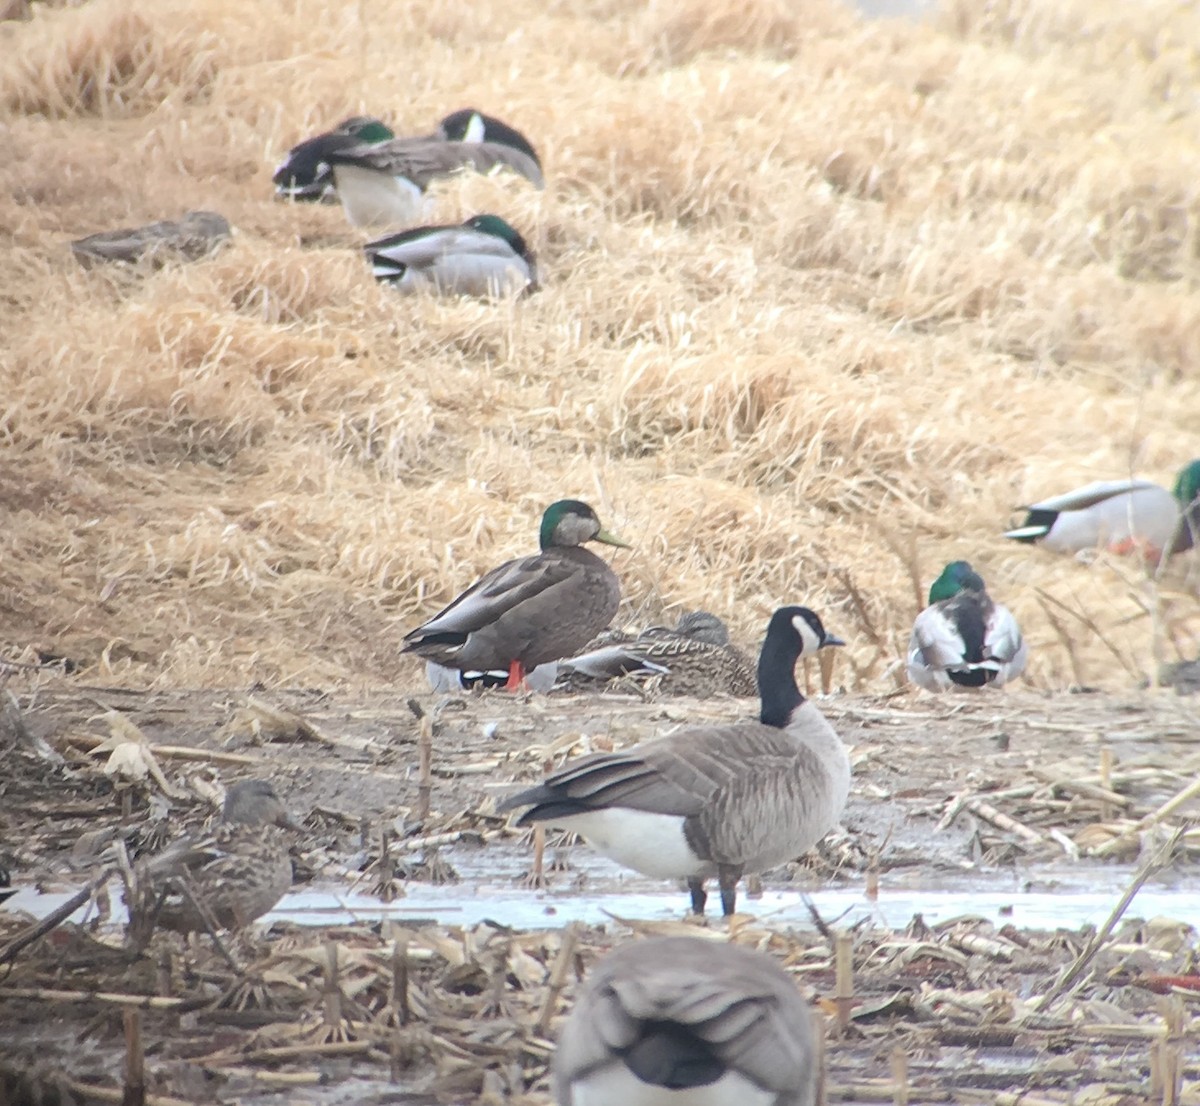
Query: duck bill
611, 539
832, 639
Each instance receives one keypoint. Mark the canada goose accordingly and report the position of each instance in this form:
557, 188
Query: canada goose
530, 610
383, 183
694, 658
236, 873
1123, 516
190, 238
716, 800
484, 256
690, 1022
963, 638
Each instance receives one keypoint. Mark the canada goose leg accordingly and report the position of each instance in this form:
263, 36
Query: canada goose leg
728, 876
699, 895
516, 676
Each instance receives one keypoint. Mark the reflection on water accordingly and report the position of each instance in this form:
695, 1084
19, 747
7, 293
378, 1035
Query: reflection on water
456, 905
594, 889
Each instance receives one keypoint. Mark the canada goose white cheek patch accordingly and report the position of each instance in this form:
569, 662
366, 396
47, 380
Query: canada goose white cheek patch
652, 844
808, 636
616, 1085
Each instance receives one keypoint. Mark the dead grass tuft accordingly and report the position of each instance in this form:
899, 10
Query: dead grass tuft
106, 59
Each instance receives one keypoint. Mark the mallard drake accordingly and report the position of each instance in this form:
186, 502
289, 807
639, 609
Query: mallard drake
530, 610
691, 1022
236, 873
1123, 516
305, 176
482, 257
196, 235
382, 183
715, 800
963, 638
694, 658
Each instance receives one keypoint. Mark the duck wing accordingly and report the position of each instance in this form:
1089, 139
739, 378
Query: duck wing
426, 247
424, 160
500, 591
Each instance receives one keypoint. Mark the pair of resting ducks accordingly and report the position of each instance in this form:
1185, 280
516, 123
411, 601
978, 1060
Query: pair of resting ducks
381, 180
965, 639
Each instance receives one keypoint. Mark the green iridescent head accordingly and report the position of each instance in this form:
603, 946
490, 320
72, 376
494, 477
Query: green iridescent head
1187, 483
956, 576
571, 522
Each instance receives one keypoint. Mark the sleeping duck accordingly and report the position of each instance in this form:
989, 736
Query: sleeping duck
1122, 516
963, 638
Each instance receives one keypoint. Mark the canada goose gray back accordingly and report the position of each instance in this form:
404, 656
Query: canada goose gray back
964, 638
691, 1022
715, 800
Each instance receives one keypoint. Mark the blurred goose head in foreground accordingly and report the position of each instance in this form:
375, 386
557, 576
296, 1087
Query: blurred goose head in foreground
690, 1022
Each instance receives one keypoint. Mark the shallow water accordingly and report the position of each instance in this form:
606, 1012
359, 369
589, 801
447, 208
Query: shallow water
456, 905
593, 890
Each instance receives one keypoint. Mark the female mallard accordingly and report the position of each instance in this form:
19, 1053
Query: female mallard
382, 180
234, 874
691, 1022
482, 257
1122, 516
716, 800
963, 639
531, 610
694, 658
305, 176
190, 238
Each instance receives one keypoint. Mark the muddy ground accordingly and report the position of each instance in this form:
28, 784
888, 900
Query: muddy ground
1015, 791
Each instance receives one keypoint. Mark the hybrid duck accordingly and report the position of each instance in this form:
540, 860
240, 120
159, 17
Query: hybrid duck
530, 610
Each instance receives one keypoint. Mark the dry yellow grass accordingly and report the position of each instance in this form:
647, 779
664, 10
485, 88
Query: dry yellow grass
824, 299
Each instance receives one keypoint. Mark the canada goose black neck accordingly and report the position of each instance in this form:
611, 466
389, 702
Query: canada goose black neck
784, 644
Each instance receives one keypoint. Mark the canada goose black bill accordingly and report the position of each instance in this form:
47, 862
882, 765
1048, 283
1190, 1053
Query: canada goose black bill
716, 800
691, 1022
